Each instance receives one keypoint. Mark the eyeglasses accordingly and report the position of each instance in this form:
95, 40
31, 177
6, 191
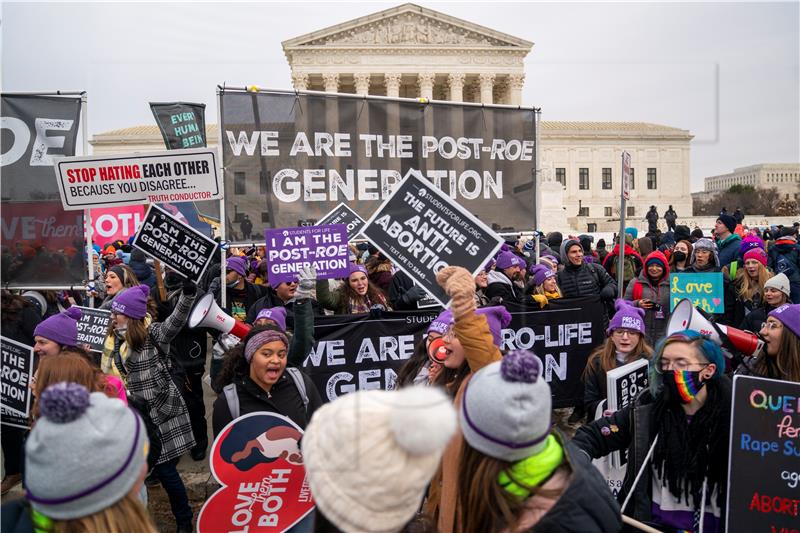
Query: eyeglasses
620, 332
680, 364
771, 325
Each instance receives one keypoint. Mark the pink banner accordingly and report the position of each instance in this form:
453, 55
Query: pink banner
112, 223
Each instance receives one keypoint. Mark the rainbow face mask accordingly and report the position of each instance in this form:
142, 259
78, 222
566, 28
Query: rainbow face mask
683, 385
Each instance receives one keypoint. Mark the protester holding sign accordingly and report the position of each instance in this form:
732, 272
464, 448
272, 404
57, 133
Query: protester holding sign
369, 457
356, 295
255, 378
780, 358
625, 344
516, 472
650, 291
78, 432
137, 351
18, 320
676, 434
706, 260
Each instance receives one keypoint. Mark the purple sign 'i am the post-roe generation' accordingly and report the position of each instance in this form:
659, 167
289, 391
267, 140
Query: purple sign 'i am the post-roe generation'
291, 249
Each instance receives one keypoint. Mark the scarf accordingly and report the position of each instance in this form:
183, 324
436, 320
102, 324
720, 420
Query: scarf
687, 451
552, 295
529, 473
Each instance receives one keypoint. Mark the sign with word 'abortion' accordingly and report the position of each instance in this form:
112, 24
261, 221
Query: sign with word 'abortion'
705, 290
291, 249
764, 458
422, 231
93, 327
15, 376
112, 180
342, 214
257, 460
179, 246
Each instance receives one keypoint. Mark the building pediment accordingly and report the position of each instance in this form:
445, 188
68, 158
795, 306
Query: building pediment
406, 25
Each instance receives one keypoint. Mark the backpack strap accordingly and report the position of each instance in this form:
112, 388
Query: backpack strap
300, 383
232, 398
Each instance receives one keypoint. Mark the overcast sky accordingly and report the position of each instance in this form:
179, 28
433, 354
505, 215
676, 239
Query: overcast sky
727, 72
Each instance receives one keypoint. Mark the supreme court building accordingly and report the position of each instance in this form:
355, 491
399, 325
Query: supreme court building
412, 52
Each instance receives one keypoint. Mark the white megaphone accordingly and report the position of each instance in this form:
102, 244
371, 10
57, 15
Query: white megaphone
207, 314
685, 316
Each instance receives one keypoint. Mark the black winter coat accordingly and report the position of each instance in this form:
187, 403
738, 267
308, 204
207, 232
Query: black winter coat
585, 505
283, 399
636, 430
585, 280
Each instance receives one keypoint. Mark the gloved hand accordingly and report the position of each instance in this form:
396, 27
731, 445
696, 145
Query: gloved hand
225, 342
306, 278
413, 295
459, 284
189, 287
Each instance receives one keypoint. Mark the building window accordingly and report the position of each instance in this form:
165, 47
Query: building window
264, 177
265, 217
607, 211
606, 178
583, 179
583, 212
633, 181
651, 178
238, 183
631, 211
561, 176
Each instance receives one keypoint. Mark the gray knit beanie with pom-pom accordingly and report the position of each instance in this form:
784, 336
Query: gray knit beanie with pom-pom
505, 409
84, 454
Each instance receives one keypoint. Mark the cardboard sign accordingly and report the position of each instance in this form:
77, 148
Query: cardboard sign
291, 249
106, 181
180, 247
705, 290
261, 490
623, 385
764, 456
15, 376
422, 231
93, 327
342, 214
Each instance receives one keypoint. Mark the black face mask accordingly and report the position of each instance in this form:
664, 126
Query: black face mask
679, 256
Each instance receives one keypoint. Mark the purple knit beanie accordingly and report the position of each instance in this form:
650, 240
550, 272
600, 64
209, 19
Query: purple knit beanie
541, 273
789, 315
132, 302
507, 260
61, 328
441, 323
237, 264
355, 267
260, 339
627, 316
748, 243
498, 318
276, 314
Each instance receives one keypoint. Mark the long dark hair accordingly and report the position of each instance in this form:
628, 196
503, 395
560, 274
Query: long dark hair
234, 365
12, 306
347, 295
785, 364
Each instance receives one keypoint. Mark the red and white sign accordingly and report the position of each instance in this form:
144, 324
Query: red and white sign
116, 223
257, 460
115, 180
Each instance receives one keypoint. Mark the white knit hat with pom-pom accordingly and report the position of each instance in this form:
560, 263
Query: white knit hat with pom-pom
370, 455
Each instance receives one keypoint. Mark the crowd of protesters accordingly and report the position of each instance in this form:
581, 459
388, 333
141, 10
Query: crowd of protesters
469, 441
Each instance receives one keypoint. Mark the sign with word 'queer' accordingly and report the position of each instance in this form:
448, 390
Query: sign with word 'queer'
764, 458
342, 214
93, 327
257, 460
179, 246
106, 181
15, 376
422, 231
705, 290
292, 249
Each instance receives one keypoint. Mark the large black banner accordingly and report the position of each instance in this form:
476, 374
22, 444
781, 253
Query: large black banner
42, 244
291, 157
355, 352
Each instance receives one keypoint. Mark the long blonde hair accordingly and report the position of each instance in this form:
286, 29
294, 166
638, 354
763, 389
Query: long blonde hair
128, 515
747, 288
540, 290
